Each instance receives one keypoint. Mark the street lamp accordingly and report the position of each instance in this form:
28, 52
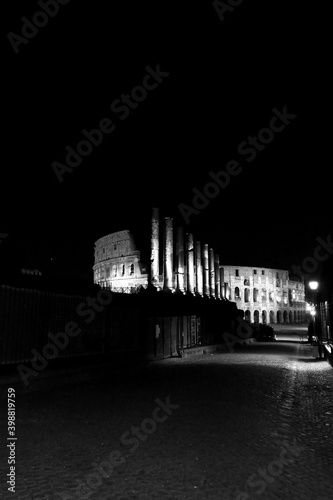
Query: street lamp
314, 287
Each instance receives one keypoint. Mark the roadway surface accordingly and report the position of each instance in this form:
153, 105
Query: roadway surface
255, 423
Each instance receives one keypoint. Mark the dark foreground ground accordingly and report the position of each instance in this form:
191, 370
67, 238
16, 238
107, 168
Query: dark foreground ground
256, 423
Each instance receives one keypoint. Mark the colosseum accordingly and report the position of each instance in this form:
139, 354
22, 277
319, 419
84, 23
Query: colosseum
265, 295
117, 263
180, 263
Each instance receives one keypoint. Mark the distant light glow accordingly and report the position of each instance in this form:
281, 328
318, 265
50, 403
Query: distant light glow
313, 285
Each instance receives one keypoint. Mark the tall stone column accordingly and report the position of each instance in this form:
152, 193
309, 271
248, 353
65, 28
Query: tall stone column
168, 253
205, 262
211, 273
180, 258
222, 291
155, 248
198, 262
190, 262
217, 276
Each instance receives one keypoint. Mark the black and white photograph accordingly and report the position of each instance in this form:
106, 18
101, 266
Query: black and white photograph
166, 250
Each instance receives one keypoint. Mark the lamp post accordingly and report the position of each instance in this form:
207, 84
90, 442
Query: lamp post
312, 327
314, 287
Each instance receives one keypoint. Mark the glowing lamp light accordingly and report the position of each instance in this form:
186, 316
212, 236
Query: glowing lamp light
312, 312
313, 285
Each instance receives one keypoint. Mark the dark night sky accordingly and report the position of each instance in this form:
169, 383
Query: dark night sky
225, 79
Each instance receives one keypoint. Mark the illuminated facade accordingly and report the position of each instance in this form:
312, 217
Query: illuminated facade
265, 295
180, 263
117, 263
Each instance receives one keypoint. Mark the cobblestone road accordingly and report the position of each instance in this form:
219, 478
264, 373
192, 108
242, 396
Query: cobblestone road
256, 423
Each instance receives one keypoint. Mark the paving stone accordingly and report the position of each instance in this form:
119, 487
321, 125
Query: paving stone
237, 411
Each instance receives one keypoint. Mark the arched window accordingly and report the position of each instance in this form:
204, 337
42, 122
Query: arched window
132, 269
123, 270
255, 295
246, 295
237, 294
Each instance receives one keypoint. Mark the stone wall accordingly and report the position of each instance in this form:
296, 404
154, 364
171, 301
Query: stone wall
265, 295
117, 263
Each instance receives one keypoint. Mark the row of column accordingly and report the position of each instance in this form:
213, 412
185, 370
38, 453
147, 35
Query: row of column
194, 268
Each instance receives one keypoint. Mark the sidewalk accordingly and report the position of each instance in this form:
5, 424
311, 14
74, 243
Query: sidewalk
68, 372
74, 370
227, 419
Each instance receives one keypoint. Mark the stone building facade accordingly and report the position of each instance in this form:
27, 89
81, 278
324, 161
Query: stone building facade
180, 263
117, 263
265, 295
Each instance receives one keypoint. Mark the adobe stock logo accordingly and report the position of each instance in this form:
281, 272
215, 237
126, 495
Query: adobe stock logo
274, 469
40, 19
244, 331
60, 341
122, 107
310, 264
249, 149
104, 469
223, 7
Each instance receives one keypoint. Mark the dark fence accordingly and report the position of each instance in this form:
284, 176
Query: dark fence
27, 316
326, 314
149, 324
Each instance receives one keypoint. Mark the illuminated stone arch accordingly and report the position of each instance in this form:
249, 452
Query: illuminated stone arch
278, 317
264, 317
271, 317
256, 316
285, 316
